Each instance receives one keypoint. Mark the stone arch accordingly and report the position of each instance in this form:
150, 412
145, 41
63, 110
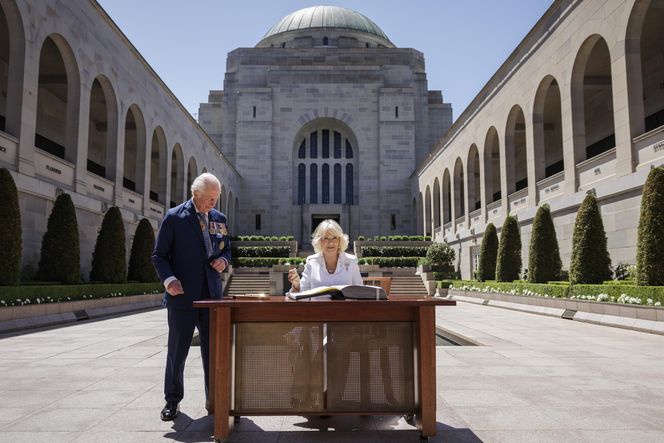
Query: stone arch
178, 192
134, 150
459, 206
473, 178
644, 46
102, 129
222, 199
58, 94
427, 211
436, 203
12, 62
230, 216
192, 173
492, 166
547, 129
420, 215
515, 151
447, 197
592, 100
158, 166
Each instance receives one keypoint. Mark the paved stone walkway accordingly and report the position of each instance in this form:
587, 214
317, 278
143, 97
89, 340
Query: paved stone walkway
534, 379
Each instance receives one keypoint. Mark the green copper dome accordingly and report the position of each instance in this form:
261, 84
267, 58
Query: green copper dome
326, 17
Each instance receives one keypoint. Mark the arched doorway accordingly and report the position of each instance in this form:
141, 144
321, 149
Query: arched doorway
325, 175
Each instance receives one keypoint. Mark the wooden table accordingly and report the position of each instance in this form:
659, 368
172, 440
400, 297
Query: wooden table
227, 312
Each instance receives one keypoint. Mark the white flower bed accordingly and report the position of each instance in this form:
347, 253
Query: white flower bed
624, 298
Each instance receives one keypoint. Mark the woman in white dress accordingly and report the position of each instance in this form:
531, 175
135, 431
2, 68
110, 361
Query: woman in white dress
330, 265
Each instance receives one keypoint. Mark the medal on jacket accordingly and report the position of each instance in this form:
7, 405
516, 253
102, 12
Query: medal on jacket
221, 245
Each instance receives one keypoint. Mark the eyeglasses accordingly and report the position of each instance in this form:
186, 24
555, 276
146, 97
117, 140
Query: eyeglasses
330, 239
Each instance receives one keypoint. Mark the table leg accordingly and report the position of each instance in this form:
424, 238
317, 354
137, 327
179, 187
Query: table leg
214, 357
427, 370
221, 318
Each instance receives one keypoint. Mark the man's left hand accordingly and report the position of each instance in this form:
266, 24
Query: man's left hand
219, 264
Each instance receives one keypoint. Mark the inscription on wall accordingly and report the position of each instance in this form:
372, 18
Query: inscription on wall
98, 188
597, 171
53, 169
659, 146
519, 201
3, 149
553, 188
131, 200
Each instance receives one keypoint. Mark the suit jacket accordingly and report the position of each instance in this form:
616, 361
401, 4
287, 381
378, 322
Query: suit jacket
315, 274
180, 252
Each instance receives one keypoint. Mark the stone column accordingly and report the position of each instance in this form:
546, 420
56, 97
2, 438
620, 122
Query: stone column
531, 200
571, 121
621, 112
78, 120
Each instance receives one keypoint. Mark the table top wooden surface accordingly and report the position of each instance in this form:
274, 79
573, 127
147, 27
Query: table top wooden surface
280, 300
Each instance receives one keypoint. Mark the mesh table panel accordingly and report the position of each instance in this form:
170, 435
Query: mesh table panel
370, 367
279, 367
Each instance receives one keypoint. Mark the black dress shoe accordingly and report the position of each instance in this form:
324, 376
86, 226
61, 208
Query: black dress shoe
170, 411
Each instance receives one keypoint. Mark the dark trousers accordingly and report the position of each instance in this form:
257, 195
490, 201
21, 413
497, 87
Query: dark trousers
181, 324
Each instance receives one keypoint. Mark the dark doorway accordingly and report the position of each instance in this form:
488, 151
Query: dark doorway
317, 218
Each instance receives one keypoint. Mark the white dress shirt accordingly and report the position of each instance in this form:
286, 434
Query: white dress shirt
315, 273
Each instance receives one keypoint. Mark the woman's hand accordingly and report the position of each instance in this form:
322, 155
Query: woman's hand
294, 279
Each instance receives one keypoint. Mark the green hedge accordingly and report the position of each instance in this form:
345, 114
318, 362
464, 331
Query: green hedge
558, 290
394, 238
539, 288
263, 238
394, 251
10, 235
260, 251
393, 262
22, 295
259, 262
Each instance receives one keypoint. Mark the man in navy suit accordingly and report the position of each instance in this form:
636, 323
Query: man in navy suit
191, 251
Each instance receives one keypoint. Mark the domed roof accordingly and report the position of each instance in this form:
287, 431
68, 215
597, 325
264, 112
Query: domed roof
326, 17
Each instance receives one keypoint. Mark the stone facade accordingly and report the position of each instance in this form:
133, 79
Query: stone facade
345, 86
578, 107
83, 113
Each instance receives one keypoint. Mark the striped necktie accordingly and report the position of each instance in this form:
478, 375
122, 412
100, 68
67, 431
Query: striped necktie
206, 232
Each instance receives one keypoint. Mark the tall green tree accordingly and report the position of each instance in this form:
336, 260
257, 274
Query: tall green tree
590, 257
508, 266
544, 256
486, 269
650, 246
140, 262
60, 252
10, 231
109, 262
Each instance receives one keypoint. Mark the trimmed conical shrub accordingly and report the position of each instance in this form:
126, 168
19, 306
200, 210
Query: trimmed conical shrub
60, 252
508, 265
140, 262
486, 269
650, 249
590, 256
109, 263
10, 231
544, 256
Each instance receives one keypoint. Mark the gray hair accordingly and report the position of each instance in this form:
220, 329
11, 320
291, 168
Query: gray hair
332, 227
204, 181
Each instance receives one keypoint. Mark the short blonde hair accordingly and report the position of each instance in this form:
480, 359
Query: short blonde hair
333, 228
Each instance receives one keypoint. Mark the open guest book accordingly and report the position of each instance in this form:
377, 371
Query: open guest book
342, 292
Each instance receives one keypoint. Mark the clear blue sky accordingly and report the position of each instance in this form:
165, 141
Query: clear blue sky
464, 42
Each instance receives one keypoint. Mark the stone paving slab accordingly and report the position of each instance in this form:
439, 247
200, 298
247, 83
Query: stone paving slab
532, 379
